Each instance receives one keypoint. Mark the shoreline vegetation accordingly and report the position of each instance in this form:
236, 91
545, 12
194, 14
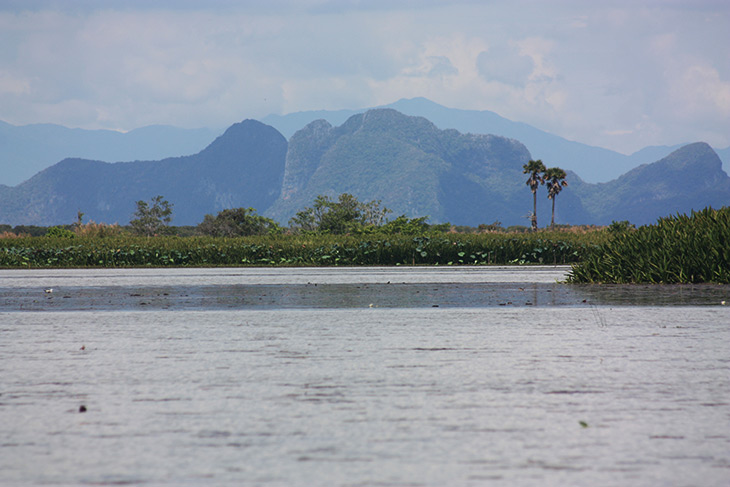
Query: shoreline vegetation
297, 250
686, 249
691, 248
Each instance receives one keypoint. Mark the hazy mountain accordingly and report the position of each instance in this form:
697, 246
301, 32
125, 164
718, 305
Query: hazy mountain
28, 149
689, 178
414, 167
25, 150
593, 164
242, 167
417, 169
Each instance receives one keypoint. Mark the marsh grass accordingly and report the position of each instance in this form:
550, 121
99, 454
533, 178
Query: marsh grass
124, 250
691, 248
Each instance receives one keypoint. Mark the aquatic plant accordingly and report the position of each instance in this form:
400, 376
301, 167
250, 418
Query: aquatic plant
691, 248
298, 250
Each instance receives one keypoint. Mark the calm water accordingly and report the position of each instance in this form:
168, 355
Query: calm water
358, 377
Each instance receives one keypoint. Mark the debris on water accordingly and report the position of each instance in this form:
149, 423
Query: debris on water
83, 347
49, 290
82, 409
583, 424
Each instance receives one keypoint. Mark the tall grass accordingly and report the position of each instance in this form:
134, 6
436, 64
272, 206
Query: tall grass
297, 250
691, 248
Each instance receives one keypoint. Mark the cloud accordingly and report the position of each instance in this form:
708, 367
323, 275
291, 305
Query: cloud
619, 74
505, 64
11, 85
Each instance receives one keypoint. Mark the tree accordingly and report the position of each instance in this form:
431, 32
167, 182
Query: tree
346, 215
535, 170
153, 217
555, 180
237, 222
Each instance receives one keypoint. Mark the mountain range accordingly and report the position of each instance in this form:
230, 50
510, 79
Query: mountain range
593, 164
242, 167
26, 150
414, 167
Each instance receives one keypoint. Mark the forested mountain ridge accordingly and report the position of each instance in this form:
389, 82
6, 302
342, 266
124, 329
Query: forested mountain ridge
407, 162
414, 167
689, 178
417, 169
242, 167
594, 164
28, 149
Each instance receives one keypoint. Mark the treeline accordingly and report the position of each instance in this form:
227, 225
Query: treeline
342, 216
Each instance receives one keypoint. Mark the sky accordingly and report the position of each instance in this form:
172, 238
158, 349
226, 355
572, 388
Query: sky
621, 74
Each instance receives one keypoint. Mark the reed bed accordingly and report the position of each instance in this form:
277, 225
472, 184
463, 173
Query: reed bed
691, 248
298, 250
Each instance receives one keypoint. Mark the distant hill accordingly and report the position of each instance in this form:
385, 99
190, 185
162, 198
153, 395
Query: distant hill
242, 167
593, 164
28, 149
417, 169
689, 178
414, 167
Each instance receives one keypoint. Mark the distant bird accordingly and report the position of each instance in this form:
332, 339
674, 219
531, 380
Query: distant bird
49, 290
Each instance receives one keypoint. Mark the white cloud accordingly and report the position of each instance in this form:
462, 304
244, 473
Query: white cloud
11, 85
620, 75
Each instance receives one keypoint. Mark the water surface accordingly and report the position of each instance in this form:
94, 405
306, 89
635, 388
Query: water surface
309, 385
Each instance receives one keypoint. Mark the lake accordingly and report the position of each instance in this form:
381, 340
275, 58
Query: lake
398, 376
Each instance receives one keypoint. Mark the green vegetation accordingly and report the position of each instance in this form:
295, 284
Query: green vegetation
298, 250
151, 218
535, 169
677, 249
330, 233
554, 177
60, 232
238, 222
555, 180
346, 232
346, 215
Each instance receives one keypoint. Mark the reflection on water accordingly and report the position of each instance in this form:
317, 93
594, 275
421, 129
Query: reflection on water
265, 378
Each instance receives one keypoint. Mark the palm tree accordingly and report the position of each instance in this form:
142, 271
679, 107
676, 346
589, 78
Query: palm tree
555, 178
535, 170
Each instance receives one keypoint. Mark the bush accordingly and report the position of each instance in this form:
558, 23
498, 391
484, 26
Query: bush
60, 232
237, 222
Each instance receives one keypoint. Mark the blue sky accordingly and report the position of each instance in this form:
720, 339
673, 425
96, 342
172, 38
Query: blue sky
617, 74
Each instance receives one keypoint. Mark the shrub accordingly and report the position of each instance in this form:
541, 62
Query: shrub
237, 222
60, 232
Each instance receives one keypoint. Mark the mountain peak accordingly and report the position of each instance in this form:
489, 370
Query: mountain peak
241, 135
241, 168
